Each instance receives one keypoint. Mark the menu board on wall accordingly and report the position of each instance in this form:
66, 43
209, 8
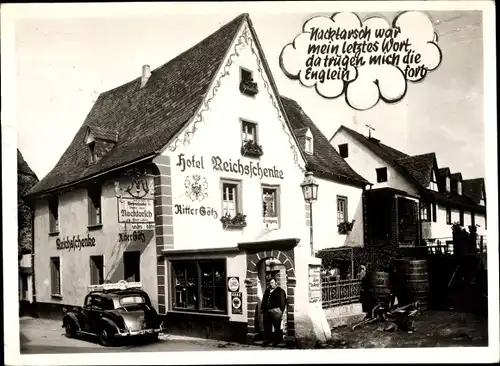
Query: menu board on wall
314, 283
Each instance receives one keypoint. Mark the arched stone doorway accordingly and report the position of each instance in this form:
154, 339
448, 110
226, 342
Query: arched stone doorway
286, 269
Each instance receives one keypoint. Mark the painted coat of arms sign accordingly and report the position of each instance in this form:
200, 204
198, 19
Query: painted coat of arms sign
196, 187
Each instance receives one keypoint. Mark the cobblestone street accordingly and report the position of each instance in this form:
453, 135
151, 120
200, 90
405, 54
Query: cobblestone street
47, 336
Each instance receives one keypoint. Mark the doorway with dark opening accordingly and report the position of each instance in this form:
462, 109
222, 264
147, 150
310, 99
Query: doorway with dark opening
270, 268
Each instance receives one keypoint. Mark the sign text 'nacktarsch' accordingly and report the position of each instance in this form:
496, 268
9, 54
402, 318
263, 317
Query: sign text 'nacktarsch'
135, 210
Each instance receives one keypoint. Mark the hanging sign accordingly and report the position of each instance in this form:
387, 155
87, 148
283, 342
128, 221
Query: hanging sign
131, 227
136, 210
233, 284
236, 302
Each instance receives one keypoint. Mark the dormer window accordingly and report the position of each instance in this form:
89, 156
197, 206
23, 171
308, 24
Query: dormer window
91, 150
92, 155
247, 85
448, 184
99, 142
433, 184
305, 139
482, 201
459, 187
343, 150
308, 145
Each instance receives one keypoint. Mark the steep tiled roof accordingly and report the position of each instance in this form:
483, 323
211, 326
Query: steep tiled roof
442, 174
454, 200
473, 189
378, 148
300, 132
145, 119
418, 170
103, 133
419, 166
444, 171
23, 167
325, 159
393, 157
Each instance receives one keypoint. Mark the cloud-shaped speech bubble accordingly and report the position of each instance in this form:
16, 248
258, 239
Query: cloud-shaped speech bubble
367, 61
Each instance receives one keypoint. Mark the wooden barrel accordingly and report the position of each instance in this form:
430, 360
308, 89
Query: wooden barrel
417, 281
399, 281
380, 286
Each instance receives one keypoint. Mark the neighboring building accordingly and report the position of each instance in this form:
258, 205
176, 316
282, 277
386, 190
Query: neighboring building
340, 189
411, 198
188, 180
26, 179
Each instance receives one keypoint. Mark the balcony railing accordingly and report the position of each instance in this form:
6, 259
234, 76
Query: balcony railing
339, 292
445, 245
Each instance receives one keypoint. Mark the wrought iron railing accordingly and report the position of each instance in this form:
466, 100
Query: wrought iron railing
339, 292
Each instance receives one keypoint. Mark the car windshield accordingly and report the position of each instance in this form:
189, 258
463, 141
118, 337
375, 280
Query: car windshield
131, 300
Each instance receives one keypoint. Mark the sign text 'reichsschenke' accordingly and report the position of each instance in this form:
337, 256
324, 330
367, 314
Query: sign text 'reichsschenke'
75, 242
242, 168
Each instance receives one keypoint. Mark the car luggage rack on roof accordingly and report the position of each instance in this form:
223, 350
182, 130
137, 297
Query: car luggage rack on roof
120, 285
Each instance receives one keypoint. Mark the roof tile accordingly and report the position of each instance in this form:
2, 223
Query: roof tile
325, 158
145, 119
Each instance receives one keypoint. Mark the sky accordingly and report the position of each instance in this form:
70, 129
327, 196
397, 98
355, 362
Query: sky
62, 66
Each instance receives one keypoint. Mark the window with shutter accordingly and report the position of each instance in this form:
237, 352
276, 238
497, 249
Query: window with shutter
96, 270
55, 276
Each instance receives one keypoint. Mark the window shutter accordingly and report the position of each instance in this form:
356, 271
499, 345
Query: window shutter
434, 212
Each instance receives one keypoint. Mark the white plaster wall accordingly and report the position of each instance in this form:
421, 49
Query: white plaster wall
440, 229
75, 264
481, 221
218, 134
325, 215
364, 162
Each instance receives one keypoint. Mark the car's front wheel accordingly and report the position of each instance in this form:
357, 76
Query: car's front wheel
106, 337
69, 328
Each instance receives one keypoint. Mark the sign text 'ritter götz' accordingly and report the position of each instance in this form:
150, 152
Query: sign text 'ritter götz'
135, 210
229, 166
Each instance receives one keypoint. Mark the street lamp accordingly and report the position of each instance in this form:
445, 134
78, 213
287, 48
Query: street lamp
310, 191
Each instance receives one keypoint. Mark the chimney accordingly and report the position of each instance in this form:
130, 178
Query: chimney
146, 73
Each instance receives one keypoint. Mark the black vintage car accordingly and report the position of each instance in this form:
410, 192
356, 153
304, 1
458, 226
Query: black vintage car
114, 312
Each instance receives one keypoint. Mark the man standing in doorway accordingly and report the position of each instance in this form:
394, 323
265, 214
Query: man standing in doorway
273, 306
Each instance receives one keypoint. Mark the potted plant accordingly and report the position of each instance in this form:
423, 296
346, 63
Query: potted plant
238, 221
248, 87
251, 148
345, 227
